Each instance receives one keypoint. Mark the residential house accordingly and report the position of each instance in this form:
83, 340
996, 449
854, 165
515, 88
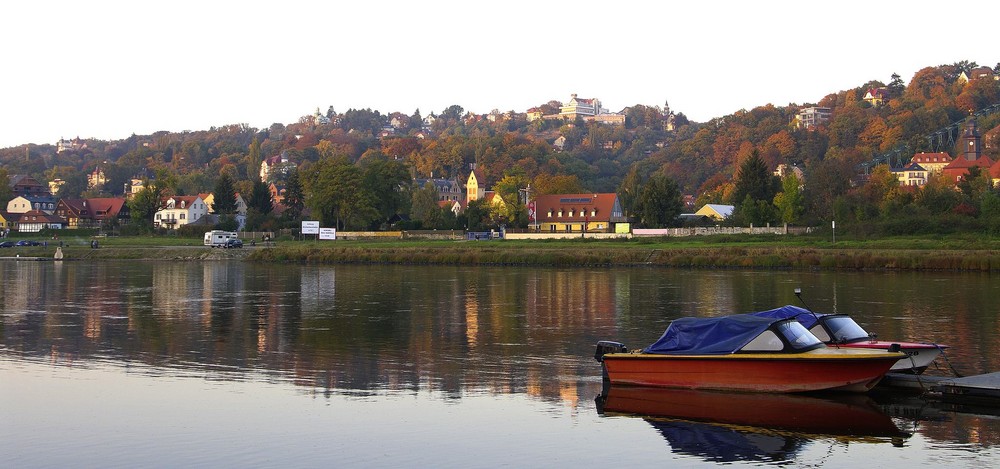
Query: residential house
241, 204
6, 221
277, 193
579, 107
716, 212
454, 205
577, 212
995, 173
534, 114
932, 162
37, 220
980, 73
475, 186
27, 203
22, 184
177, 211
277, 164
92, 212
428, 122
911, 175
559, 143
785, 169
96, 179
447, 189
811, 117
55, 185
70, 145
877, 96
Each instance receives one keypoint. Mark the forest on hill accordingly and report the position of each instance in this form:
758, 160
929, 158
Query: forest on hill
348, 163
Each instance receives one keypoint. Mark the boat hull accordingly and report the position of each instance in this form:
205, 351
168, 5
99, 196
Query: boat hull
852, 370
918, 356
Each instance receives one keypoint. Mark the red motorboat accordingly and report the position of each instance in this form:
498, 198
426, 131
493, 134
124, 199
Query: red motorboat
744, 353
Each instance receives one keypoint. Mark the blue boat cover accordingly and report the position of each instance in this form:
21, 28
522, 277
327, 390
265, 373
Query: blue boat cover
710, 336
802, 315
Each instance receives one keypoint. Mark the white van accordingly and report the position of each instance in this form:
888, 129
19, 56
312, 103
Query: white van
219, 238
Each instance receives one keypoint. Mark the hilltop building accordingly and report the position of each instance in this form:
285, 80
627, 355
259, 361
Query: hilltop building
811, 117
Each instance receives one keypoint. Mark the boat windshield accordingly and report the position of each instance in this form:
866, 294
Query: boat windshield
797, 335
843, 329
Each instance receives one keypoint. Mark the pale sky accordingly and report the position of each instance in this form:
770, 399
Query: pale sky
108, 69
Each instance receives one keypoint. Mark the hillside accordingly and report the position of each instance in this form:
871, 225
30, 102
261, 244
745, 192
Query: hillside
702, 158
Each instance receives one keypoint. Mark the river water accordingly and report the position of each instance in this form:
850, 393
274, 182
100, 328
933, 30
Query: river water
222, 364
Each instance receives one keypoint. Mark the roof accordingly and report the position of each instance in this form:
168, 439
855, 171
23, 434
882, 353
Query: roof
911, 166
723, 211
710, 336
964, 163
937, 158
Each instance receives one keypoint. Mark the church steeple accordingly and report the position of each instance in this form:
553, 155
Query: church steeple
971, 141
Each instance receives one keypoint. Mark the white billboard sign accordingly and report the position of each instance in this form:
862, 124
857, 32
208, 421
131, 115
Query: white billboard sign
310, 227
327, 233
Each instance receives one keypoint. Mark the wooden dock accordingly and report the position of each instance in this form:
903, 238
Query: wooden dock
979, 390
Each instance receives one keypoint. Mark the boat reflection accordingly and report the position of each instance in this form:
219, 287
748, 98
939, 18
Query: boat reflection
729, 427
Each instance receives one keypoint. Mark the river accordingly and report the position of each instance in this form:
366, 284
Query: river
227, 363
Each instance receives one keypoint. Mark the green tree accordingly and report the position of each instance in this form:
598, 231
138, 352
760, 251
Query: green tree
659, 203
294, 197
254, 158
224, 202
629, 190
754, 180
789, 201
335, 193
425, 207
5, 192
144, 204
383, 179
260, 198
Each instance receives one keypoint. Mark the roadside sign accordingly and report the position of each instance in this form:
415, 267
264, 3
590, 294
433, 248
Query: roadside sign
310, 227
327, 233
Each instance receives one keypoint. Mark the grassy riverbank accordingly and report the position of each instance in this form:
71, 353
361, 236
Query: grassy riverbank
749, 252
765, 253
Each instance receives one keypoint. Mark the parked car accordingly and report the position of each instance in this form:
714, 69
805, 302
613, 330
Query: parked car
233, 243
7, 244
25, 242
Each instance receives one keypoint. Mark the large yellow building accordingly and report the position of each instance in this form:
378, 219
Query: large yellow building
577, 212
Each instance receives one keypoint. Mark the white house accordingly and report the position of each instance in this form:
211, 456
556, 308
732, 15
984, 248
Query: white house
178, 211
25, 204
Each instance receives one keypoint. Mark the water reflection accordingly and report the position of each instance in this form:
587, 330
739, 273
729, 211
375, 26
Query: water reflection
728, 427
447, 331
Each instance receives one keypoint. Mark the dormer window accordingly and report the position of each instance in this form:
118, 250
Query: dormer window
560, 212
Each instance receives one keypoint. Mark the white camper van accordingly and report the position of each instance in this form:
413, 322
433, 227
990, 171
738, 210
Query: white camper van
218, 238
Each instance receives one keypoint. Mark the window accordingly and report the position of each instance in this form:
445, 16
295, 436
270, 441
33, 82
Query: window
560, 213
767, 341
182, 216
